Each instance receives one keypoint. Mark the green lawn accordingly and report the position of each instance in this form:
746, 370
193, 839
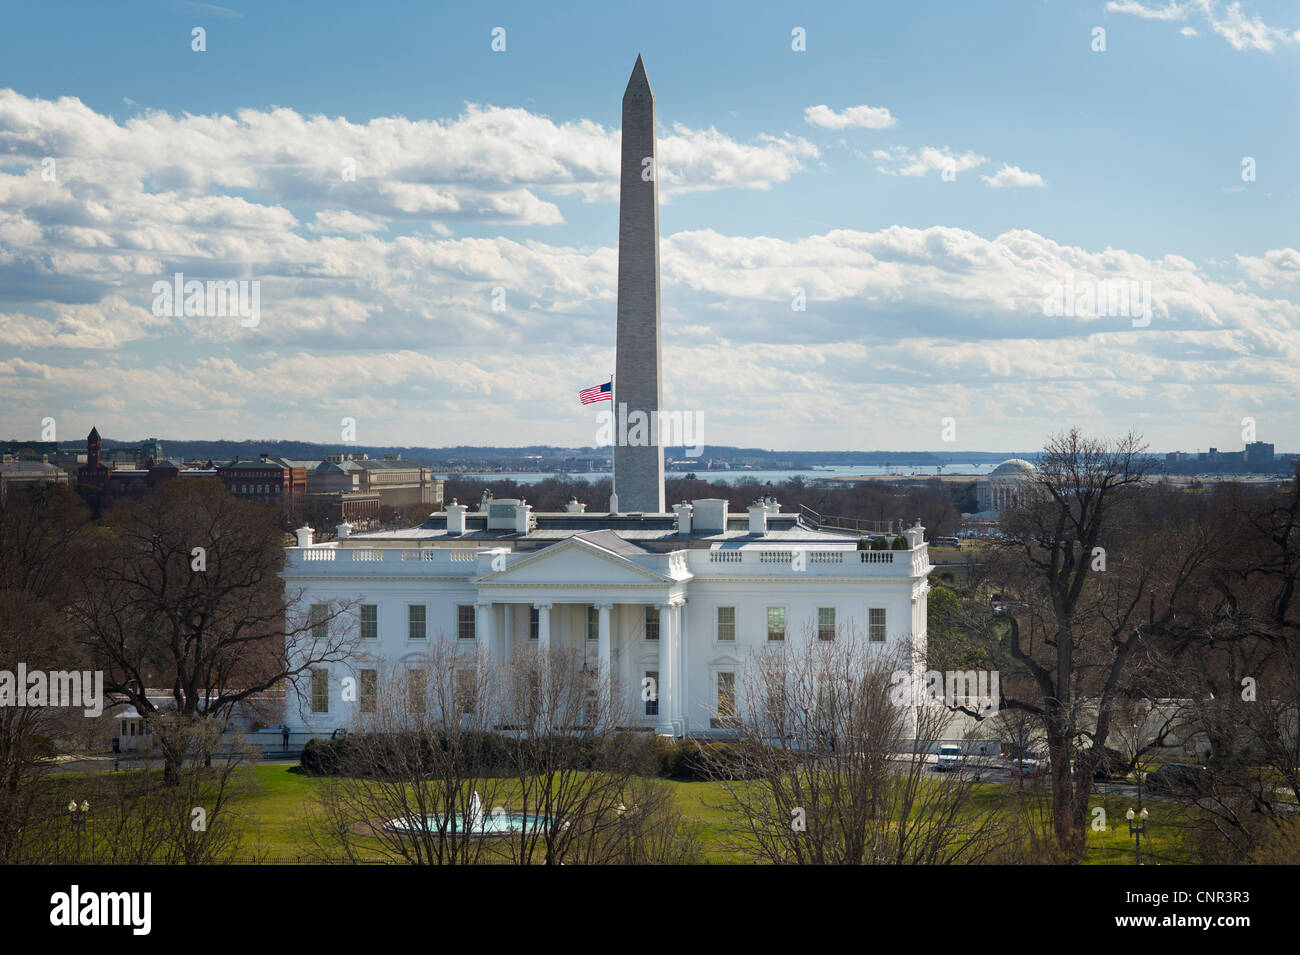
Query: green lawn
280, 799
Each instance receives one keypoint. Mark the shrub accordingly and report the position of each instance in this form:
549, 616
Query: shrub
692, 761
900, 543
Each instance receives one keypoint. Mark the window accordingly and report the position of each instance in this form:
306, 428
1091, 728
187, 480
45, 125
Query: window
369, 622
368, 693
651, 692
726, 695
466, 690
825, 623
651, 623
319, 621
320, 691
465, 621
775, 699
776, 623
415, 619
726, 623
415, 692
876, 625
593, 624
534, 623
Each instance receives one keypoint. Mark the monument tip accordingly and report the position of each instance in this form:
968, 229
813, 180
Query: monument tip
639, 84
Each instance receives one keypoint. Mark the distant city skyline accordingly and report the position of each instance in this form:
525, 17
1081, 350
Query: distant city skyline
872, 221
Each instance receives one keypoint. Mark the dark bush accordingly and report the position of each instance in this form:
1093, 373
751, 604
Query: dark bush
689, 760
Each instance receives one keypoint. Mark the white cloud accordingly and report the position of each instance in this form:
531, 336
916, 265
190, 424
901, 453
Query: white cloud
902, 161
1013, 176
1172, 11
1243, 31
867, 117
340, 220
489, 164
366, 311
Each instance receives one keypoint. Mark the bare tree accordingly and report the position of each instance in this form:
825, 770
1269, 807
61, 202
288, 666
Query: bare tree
421, 777
184, 592
573, 766
1091, 570
42, 529
830, 766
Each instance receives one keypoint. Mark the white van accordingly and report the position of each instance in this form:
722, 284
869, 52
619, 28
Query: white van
949, 758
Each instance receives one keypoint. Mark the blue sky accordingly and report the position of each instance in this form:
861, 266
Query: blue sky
820, 169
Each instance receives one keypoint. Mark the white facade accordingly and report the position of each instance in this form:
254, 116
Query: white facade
595, 581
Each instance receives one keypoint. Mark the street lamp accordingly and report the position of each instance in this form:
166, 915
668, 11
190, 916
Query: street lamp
1139, 830
78, 818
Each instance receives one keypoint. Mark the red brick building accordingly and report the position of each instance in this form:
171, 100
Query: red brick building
266, 480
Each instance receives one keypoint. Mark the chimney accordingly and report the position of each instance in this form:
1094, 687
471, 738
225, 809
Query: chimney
915, 535
304, 536
574, 507
456, 517
344, 530
711, 515
683, 512
758, 519
522, 511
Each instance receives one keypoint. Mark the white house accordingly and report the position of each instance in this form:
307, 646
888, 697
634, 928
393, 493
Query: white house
683, 598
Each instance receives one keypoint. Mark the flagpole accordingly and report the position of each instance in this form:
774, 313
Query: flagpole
613, 437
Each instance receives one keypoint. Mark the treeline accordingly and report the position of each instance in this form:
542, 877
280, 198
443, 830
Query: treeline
1142, 623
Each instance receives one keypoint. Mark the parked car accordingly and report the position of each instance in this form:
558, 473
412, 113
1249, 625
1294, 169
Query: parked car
1183, 779
1028, 765
949, 758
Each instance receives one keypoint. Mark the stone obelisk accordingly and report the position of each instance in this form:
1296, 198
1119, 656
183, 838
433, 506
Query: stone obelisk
638, 369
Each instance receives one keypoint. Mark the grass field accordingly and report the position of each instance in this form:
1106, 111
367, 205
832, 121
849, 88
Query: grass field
279, 800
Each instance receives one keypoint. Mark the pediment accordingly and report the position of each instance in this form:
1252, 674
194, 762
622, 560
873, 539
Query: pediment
573, 561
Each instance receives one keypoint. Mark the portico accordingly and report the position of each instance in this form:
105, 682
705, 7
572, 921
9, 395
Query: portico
622, 611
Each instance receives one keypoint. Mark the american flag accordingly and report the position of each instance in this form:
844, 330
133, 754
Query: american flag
595, 393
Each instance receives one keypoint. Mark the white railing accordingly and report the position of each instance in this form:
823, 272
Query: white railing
826, 557
725, 556
421, 560
775, 556
876, 556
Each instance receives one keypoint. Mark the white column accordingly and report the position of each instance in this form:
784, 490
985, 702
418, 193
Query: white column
681, 702
507, 633
664, 725
543, 626
483, 618
602, 638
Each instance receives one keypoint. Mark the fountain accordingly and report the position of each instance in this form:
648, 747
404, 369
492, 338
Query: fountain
497, 823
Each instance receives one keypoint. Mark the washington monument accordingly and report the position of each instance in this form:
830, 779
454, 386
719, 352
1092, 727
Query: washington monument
638, 369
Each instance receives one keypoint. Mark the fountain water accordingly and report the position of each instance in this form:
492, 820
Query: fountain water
475, 813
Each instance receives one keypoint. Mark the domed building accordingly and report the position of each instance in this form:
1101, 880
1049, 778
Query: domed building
1005, 484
